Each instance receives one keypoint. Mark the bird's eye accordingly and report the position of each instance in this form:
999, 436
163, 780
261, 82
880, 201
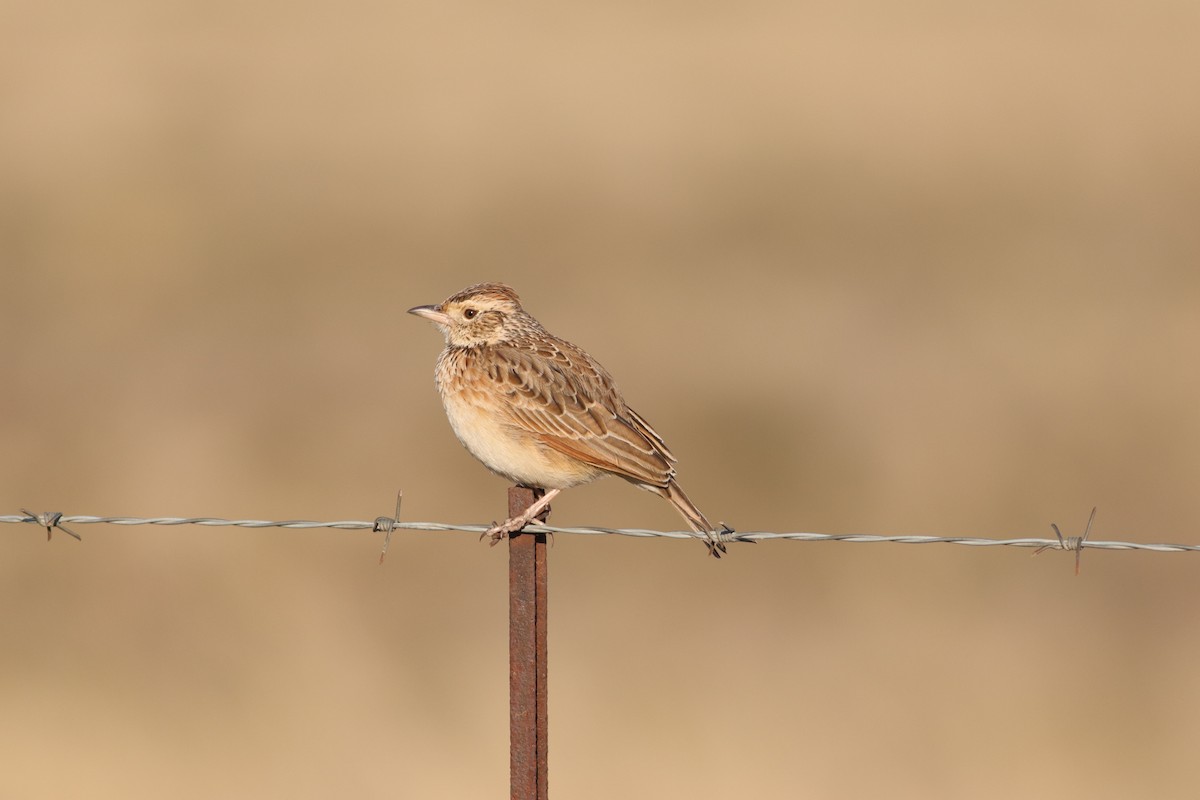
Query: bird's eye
469, 313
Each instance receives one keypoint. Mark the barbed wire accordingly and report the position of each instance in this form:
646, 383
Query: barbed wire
56, 520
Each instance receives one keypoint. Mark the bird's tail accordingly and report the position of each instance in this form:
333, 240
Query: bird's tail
695, 518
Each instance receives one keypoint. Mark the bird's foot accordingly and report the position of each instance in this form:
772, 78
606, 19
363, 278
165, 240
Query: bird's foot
500, 531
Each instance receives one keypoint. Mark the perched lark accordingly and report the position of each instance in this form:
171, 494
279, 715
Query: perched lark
541, 412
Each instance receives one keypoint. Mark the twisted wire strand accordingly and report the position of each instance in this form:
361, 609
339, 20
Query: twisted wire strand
382, 524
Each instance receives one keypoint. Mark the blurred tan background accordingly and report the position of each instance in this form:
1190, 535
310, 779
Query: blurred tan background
930, 269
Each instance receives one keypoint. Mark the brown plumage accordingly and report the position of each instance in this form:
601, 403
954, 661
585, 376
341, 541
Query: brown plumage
540, 411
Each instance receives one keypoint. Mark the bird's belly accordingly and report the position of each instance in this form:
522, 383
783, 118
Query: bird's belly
510, 451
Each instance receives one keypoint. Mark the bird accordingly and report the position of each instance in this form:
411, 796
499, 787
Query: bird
541, 412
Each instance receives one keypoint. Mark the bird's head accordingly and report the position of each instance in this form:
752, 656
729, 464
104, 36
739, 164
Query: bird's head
483, 314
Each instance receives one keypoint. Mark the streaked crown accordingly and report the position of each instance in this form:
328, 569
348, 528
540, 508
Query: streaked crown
490, 292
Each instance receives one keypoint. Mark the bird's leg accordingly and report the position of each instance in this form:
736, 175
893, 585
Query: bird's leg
501, 531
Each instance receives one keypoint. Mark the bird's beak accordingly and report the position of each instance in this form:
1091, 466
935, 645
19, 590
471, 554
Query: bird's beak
432, 313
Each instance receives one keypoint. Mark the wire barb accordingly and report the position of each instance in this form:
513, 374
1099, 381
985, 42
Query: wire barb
1076, 543
387, 525
50, 520
727, 534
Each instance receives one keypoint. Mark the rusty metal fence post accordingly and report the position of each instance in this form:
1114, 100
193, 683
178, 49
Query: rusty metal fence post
527, 601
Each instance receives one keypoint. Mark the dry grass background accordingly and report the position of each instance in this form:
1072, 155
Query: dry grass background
929, 268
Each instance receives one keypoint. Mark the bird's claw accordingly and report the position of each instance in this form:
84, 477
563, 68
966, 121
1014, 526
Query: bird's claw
501, 531
494, 533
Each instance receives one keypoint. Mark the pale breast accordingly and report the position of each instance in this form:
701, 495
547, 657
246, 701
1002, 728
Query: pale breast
476, 413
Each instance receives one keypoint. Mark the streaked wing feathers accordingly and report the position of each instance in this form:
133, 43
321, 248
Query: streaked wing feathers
566, 400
